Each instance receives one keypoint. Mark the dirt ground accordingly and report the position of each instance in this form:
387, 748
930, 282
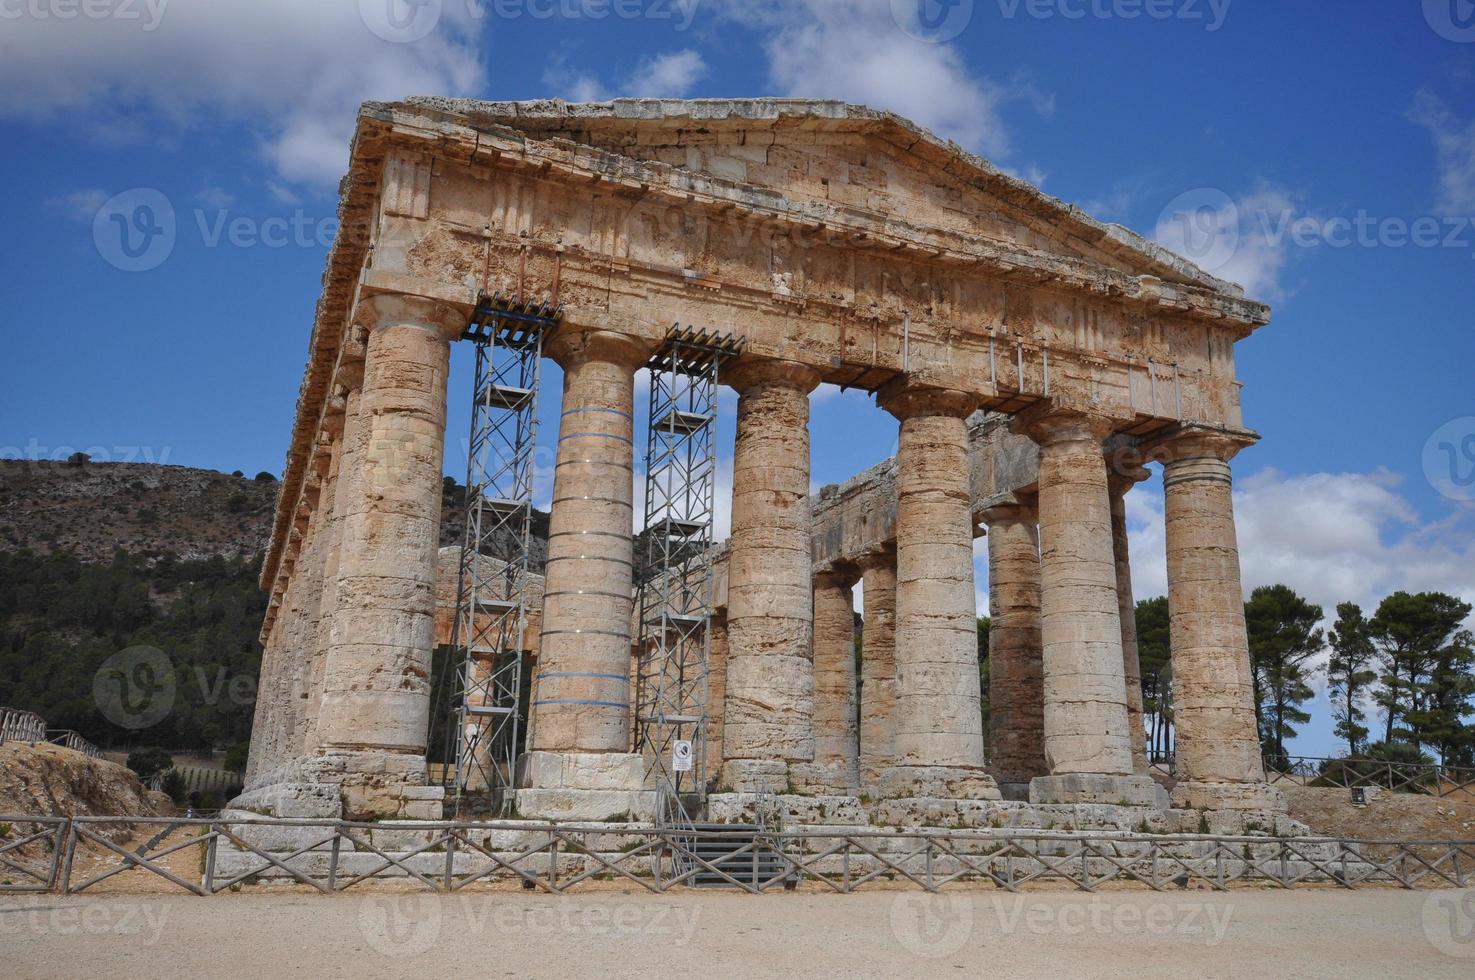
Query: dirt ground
1389, 816
1370, 933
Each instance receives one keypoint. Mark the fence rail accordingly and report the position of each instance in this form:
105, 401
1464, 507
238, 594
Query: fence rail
74, 741
1401, 777
207, 856
21, 726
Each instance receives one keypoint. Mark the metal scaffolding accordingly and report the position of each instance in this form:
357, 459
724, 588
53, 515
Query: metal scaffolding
488, 638
676, 583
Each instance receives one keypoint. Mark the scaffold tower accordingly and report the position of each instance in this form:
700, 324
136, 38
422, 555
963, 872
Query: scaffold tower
488, 639
676, 577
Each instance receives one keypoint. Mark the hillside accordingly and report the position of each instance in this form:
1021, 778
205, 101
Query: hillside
94, 509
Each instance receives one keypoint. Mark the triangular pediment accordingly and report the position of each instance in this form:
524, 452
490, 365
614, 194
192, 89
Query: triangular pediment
857, 162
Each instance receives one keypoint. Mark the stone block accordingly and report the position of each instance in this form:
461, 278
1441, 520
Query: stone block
593, 805
1082, 787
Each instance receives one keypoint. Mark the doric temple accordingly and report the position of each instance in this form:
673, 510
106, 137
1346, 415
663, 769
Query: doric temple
1033, 359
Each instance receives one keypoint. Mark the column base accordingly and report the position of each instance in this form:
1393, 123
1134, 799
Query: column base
1256, 797
755, 776
348, 785
938, 782
593, 786
1087, 787
822, 779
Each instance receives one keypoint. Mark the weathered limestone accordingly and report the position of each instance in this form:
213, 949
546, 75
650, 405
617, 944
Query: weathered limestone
877, 725
1119, 483
836, 766
1217, 747
938, 749
376, 678
1015, 670
716, 691
581, 703
1085, 711
770, 682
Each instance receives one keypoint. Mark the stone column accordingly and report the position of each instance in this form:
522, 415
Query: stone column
836, 764
878, 670
580, 764
716, 691
939, 723
1119, 483
1217, 746
1015, 671
770, 681
1087, 743
374, 715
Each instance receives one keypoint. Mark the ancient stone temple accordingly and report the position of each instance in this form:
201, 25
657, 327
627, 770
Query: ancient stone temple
1033, 360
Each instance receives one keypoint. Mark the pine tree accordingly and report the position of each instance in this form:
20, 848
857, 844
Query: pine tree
1283, 640
1154, 655
1350, 673
1412, 633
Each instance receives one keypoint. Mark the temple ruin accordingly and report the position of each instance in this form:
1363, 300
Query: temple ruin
1033, 359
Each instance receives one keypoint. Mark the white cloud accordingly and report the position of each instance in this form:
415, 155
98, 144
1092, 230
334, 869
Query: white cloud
294, 71
664, 76
79, 205
1245, 240
854, 50
1454, 144
215, 197
668, 75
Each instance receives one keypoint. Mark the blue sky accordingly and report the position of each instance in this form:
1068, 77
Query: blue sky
1305, 139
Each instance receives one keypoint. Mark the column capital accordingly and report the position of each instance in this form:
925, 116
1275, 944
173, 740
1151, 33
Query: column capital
381, 310
573, 344
884, 557
838, 576
1048, 424
1014, 508
1195, 442
907, 399
749, 371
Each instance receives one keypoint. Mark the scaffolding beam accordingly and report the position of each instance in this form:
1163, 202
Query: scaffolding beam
676, 581
488, 638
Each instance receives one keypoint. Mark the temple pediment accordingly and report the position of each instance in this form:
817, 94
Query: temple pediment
834, 163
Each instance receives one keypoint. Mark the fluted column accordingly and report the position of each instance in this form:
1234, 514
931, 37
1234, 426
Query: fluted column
581, 733
770, 681
1015, 670
373, 719
877, 726
1087, 742
1119, 483
836, 763
1218, 759
939, 724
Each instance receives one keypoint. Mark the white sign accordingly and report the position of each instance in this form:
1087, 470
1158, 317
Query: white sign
681, 756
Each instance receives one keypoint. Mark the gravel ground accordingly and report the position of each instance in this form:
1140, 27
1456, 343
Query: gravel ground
892, 934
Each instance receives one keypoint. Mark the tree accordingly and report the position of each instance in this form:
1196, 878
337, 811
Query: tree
1446, 696
1350, 673
265, 477
1413, 634
1154, 656
148, 763
1283, 640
